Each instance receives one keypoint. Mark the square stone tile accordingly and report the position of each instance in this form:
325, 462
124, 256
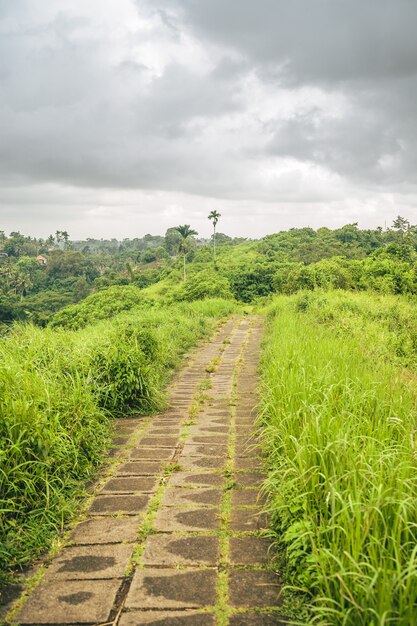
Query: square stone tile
128, 505
120, 441
172, 589
204, 450
70, 602
201, 463
247, 497
155, 454
249, 550
248, 520
88, 562
190, 479
208, 431
209, 440
159, 442
106, 530
8, 596
254, 588
140, 468
190, 550
171, 519
167, 618
248, 450
164, 431
253, 479
246, 463
130, 484
179, 496
246, 439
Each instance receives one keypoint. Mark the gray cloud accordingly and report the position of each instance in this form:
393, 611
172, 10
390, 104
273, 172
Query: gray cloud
324, 40
269, 102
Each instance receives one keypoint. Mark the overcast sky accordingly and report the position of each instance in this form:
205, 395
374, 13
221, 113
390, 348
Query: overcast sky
119, 118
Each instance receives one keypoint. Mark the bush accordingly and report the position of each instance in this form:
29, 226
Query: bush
58, 389
102, 305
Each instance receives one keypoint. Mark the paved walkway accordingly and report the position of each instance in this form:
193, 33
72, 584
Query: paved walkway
174, 535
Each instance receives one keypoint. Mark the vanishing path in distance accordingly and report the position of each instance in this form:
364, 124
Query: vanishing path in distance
173, 535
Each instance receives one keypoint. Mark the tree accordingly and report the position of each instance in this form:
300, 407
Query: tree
186, 233
214, 217
172, 241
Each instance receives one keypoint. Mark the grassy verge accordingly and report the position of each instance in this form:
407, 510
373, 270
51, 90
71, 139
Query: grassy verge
339, 425
58, 389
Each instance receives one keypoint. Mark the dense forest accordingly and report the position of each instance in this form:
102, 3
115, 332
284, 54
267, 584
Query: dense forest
39, 277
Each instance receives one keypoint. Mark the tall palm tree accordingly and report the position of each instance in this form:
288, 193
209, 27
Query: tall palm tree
186, 232
214, 217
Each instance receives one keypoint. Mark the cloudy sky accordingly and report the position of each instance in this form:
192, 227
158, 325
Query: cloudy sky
119, 118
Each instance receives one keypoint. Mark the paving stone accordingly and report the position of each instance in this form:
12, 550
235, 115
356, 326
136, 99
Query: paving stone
159, 442
171, 519
205, 450
247, 497
249, 550
109, 505
248, 463
124, 429
254, 588
249, 519
169, 588
164, 431
209, 440
201, 463
249, 451
213, 419
8, 595
209, 430
186, 479
130, 484
140, 468
178, 496
106, 530
127, 422
170, 618
70, 602
88, 562
245, 429
152, 453
191, 550
254, 479
120, 441
247, 439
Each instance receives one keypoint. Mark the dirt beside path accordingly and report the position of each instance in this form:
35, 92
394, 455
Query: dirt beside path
174, 536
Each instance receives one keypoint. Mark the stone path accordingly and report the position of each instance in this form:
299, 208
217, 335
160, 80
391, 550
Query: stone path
174, 536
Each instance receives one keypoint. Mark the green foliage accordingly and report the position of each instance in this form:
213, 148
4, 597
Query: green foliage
249, 283
58, 389
205, 284
339, 425
102, 305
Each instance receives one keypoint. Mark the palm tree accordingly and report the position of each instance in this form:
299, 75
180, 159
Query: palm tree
185, 232
214, 217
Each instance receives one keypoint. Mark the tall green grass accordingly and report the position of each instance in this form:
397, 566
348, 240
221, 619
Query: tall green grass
58, 389
339, 424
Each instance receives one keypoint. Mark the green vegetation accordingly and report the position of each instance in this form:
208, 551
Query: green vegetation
58, 389
92, 330
39, 277
339, 409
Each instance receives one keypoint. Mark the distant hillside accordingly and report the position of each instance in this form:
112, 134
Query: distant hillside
40, 277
